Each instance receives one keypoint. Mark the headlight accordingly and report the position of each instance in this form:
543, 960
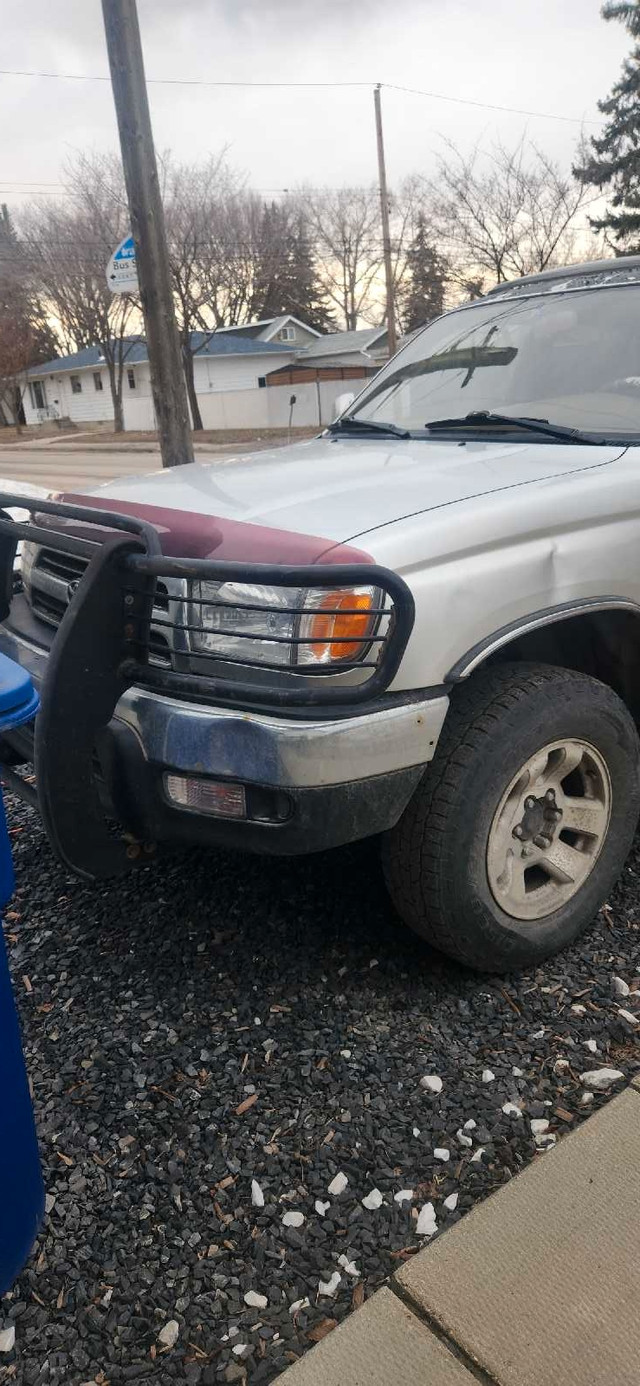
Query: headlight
283, 626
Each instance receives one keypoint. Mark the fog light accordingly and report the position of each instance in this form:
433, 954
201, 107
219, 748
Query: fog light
207, 796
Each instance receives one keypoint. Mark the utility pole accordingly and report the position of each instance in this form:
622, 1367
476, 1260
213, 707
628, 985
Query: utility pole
149, 234
386, 235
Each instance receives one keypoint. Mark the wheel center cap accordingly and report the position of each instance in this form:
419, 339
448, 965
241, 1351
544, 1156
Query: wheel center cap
540, 818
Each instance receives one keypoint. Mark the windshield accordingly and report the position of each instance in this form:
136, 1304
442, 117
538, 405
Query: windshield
569, 358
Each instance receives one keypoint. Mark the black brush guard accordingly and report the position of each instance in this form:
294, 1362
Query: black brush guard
102, 647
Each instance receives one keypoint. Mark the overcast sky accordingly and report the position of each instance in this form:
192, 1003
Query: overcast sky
544, 55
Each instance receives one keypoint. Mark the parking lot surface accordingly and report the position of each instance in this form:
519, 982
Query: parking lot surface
212, 1041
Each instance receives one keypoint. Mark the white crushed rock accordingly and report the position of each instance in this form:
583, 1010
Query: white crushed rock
257, 1196
578, 1010
403, 1196
451, 1202
441, 1154
630, 1018
330, 1287
600, 1079
512, 1109
426, 1225
372, 1200
488, 1076
292, 1219
255, 1301
349, 1267
322, 1208
619, 987
169, 1335
591, 1045
431, 1083
338, 1184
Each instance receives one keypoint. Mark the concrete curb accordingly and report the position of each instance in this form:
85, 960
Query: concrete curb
538, 1286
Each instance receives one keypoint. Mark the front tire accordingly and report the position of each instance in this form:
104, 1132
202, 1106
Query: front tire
523, 820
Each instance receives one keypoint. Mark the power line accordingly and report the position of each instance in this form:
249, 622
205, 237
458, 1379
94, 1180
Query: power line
390, 86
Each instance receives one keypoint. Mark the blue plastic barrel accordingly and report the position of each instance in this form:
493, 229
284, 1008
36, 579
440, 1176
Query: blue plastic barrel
21, 1189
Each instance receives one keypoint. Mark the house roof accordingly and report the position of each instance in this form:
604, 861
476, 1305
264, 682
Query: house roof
203, 344
258, 329
335, 343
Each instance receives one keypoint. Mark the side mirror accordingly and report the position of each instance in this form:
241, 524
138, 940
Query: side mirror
342, 402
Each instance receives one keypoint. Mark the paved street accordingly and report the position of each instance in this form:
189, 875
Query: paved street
74, 468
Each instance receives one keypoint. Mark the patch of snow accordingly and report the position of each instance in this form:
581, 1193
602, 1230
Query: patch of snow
338, 1184
257, 1196
426, 1225
431, 1083
372, 1200
600, 1079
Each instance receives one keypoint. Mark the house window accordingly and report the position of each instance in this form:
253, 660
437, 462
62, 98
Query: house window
131, 378
97, 380
287, 334
37, 394
76, 385
262, 382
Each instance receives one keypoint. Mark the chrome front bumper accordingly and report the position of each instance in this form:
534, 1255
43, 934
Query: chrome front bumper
279, 752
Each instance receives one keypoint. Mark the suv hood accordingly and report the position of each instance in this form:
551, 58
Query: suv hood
343, 488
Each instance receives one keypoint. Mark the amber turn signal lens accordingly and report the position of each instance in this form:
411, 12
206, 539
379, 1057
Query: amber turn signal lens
339, 627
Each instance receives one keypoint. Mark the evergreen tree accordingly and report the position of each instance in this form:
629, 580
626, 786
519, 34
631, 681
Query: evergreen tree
287, 278
612, 159
421, 296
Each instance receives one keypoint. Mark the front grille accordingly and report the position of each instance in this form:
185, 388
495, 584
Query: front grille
54, 578
67, 567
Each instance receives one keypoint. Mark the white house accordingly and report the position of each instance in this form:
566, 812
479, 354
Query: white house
232, 368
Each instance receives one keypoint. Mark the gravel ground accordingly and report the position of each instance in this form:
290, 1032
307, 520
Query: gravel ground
215, 1020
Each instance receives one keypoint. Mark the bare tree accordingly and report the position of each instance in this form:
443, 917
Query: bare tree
196, 199
26, 337
345, 224
512, 213
69, 243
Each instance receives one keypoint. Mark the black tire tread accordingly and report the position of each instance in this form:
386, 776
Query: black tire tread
418, 853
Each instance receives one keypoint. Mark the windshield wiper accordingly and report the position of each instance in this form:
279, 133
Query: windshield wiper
481, 418
351, 425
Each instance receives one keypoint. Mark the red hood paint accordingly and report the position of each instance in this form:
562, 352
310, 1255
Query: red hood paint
184, 534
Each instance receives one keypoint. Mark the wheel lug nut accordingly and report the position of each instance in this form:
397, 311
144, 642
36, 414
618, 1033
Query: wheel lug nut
518, 830
550, 796
530, 802
526, 852
541, 841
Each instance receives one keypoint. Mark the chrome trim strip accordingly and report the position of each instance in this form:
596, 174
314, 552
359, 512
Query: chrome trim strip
262, 749
547, 617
